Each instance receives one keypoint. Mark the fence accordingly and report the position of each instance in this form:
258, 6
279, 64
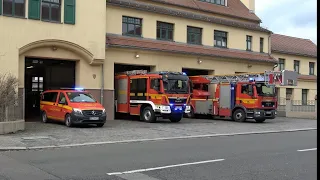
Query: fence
11, 112
297, 108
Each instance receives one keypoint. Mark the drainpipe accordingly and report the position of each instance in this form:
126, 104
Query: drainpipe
102, 84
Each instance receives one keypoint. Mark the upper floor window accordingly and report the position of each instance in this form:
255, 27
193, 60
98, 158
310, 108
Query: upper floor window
51, 10
220, 38
296, 66
14, 8
249, 43
194, 35
261, 45
281, 64
131, 26
311, 68
165, 31
219, 2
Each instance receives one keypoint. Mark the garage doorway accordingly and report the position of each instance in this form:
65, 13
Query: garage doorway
45, 74
195, 72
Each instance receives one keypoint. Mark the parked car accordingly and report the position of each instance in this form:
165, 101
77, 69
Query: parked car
71, 106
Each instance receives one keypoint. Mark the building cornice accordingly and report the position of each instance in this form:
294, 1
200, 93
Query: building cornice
184, 14
293, 53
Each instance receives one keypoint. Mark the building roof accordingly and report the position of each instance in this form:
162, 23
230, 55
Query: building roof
293, 45
235, 8
174, 47
133, 4
308, 77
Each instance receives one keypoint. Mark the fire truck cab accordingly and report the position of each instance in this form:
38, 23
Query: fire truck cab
240, 96
151, 95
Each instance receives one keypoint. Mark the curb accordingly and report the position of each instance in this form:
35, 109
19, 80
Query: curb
145, 140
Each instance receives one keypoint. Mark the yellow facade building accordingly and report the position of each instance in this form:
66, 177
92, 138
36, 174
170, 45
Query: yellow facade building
66, 43
298, 55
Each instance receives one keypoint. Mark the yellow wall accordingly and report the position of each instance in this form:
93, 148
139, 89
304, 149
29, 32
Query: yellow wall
175, 62
304, 70
236, 36
304, 62
88, 32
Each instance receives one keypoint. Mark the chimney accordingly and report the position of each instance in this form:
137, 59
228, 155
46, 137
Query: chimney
250, 4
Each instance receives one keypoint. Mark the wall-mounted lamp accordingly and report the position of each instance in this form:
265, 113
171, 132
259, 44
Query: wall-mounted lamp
249, 65
137, 55
199, 61
54, 48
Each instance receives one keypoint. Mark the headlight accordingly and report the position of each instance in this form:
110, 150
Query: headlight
77, 111
103, 111
257, 112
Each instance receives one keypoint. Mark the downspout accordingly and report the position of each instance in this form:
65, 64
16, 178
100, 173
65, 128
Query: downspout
102, 83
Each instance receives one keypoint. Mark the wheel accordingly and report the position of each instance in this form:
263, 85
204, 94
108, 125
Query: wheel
148, 115
260, 120
68, 121
100, 125
44, 117
175, 118
190, 114
239, 115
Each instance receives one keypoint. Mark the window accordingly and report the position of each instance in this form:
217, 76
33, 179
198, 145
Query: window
131, 26
296, 66
164, 31
50, 96
194, 35
281, 64
13, 8
249, 43
50, 10
219, 2
155, 84
62, 99
304, 96
245, 89
78, 97
220, 38
289, 93
261, 45
311, 68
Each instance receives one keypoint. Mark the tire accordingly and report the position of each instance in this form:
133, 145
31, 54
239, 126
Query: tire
44, 117
260, 120
148, 115
191, 114
239, 115
100, 125
175, 119
68, 121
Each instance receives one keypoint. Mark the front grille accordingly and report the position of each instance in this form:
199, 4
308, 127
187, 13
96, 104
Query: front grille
177, 100
92, 113
268, 104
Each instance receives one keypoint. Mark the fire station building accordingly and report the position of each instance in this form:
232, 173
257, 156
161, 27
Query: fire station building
78, 43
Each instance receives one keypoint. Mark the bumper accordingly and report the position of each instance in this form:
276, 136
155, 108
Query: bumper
173, 109
81, 119
264, 114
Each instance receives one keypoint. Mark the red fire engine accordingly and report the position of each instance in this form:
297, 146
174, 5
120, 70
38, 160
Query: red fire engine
240, 96
151, 95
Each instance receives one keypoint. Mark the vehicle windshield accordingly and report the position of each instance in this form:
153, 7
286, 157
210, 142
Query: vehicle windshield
78, 97
175, 86
264, 90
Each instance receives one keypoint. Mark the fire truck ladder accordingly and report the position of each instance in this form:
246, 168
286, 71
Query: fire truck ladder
133, 72
244, 77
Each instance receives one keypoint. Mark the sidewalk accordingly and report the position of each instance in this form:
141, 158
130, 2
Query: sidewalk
38, 134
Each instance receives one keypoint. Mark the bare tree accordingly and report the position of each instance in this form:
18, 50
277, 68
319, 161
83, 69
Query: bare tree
8, 94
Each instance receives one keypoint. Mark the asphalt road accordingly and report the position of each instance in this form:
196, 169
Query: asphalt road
243, 157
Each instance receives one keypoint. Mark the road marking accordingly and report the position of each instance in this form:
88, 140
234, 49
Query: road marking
303, 150
136, 176
164, 167
145, 140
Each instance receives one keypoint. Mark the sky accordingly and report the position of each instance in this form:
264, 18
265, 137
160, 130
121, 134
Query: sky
296, 18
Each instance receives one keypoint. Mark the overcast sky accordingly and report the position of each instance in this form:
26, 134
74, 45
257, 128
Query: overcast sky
289, 17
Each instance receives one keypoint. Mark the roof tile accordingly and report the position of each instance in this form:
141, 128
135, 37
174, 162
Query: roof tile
235, 8
293, 45
167, 46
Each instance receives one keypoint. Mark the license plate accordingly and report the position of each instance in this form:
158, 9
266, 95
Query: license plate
94, 118
178, 108
268, 112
